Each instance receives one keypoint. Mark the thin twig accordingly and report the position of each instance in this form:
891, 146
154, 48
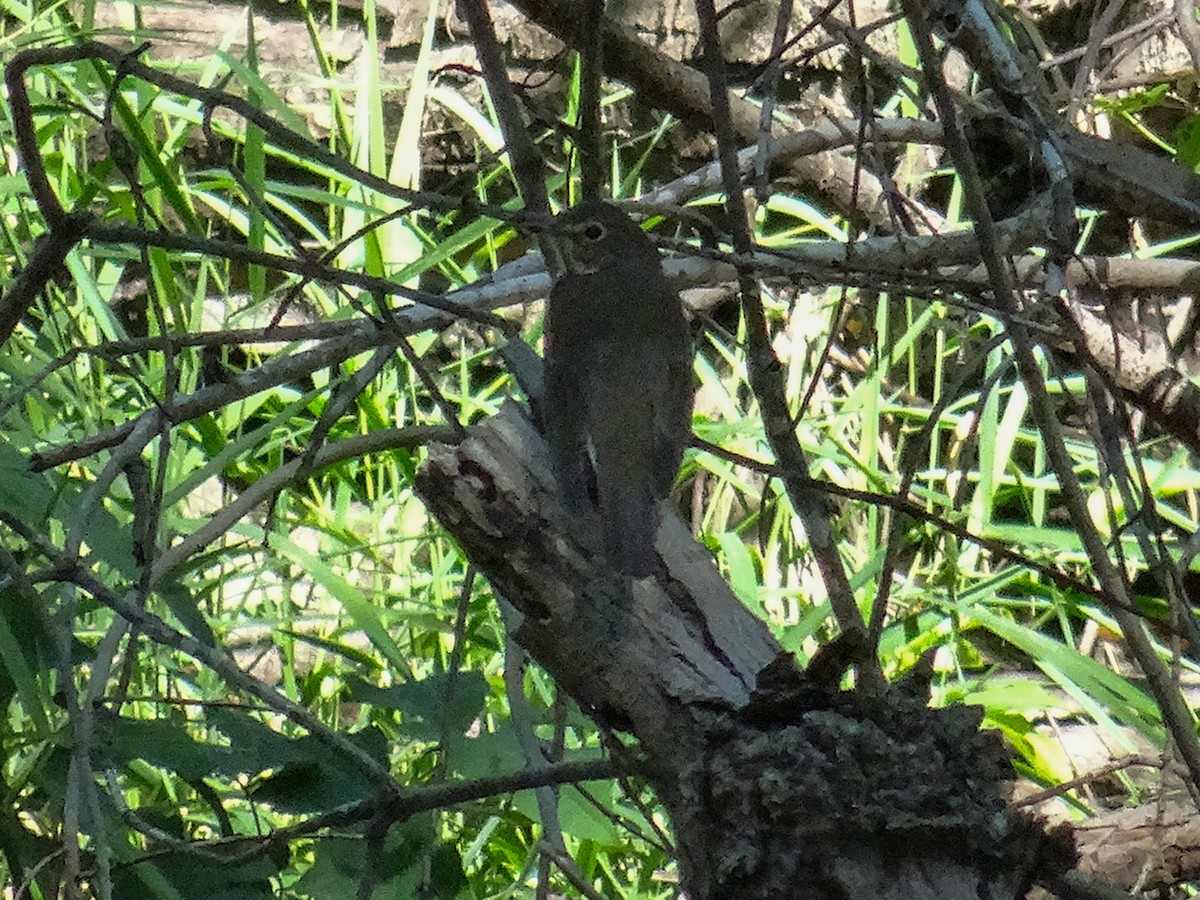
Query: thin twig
591, 55
1101, 26
1175, 712
1188, 29
525, 161
350, 448
812, 507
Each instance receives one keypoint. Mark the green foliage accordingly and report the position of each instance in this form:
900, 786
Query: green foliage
338, 590
340, 582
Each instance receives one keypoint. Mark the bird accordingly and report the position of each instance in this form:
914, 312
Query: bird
618, 379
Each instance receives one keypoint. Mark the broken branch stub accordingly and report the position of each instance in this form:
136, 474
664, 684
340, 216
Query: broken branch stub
778, 783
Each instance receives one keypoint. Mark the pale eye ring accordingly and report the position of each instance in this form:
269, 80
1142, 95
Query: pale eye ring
594, 231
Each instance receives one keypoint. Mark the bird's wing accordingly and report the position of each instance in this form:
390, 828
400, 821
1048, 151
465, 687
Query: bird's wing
565, 403
624, 463
673, 406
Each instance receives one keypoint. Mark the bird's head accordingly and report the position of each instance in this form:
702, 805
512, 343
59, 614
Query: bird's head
597, 236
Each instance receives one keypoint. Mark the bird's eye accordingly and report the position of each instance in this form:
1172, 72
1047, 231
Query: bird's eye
594, 231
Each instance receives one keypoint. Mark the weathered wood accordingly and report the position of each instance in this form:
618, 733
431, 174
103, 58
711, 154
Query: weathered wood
779, 784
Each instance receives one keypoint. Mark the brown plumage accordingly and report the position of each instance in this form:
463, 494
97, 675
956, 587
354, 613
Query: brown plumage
618, 374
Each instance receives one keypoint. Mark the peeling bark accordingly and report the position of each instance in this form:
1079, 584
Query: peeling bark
779, 784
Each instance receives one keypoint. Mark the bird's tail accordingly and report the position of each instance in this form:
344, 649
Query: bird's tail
630, 523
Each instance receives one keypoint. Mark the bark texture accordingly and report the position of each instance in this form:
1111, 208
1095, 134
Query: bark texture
779, 784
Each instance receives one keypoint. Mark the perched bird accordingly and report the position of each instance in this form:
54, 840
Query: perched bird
618, 375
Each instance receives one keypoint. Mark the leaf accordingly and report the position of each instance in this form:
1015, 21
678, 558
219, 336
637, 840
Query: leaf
309, 777
366, 615
184, 607
742, 577
167, 743
306, 776
22, 493
20, 657
427, 715
410, 850
1102, 692
581, 819
335, 870
1135, 102
1187, 143
193, 875
111, 541
489, 754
